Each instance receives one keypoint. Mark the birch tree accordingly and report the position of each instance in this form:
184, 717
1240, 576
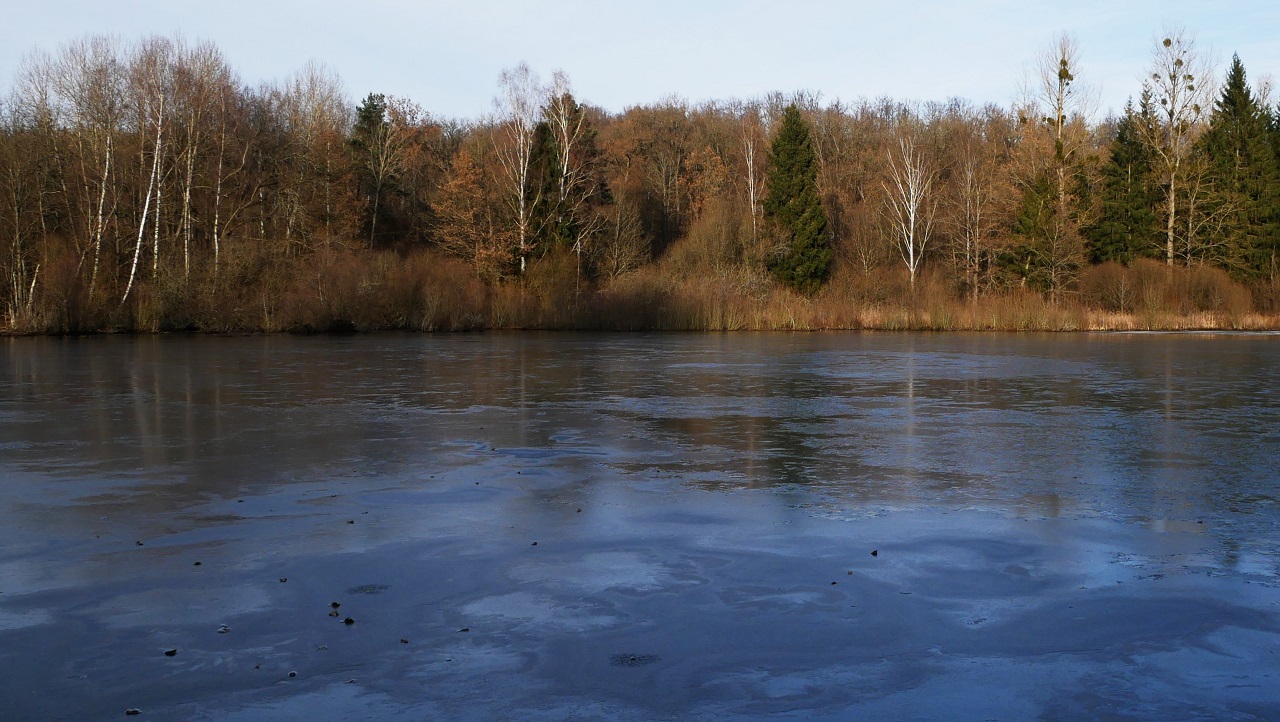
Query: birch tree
1181, 85
89, 81
910, 204
579, 184
226, 113
753, 140
521, 97
200, 79
151, 76
18, 225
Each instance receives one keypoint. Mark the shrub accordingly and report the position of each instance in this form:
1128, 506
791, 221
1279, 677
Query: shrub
1109, 287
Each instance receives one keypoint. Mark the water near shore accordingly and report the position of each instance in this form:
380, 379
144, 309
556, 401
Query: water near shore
638, 527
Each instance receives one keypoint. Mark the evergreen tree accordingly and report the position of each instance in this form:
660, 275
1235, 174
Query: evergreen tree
794, 208
1044, 257
1274, 118
1243, 172
1127, 225
544, 177
371, 118
368, 136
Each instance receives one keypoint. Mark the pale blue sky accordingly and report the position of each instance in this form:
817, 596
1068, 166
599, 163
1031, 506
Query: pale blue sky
447, 55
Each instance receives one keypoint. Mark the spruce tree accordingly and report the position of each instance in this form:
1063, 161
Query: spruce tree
1243, 170
1044, 256
794, 209
1127, 224
1033, 227
541, 195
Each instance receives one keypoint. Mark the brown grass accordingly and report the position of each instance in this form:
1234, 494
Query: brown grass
697, 287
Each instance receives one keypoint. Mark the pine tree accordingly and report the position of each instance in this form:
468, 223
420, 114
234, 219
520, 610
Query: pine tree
1127, 225
1243, 170
794, 208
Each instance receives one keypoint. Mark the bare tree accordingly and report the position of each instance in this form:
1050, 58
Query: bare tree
664, 146
1181, 84
849, 143
974, 218
226, 105
1060, 97
317, 120
151, 71
89, 82
910, 205
578, 182
1207, 211
753, 141
18, 189
519, 106
200, 78
50, 109
624, 247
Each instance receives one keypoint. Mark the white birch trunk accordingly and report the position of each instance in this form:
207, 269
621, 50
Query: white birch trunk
911, 207
151, 187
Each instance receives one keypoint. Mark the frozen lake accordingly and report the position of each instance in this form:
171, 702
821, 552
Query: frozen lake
640, 527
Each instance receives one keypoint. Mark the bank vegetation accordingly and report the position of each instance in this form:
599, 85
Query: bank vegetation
145, 187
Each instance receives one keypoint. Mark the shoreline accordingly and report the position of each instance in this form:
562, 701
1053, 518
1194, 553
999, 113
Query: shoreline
1264, 325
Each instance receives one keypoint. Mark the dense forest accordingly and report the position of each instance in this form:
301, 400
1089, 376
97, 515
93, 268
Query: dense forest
144, 186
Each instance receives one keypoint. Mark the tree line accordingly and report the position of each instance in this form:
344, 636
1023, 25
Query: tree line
144, 185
